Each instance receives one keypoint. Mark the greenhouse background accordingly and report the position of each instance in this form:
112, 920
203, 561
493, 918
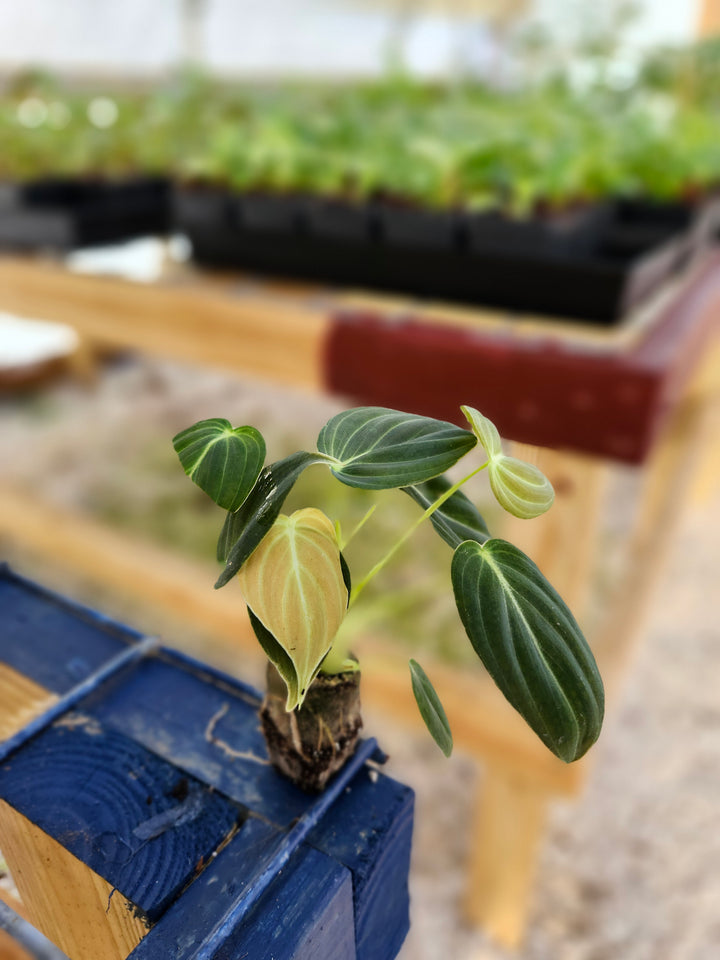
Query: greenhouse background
273, 212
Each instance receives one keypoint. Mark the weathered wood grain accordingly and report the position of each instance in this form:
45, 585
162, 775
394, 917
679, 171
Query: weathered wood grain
216, 737
157, 786
21, 699
70, 904
279, 336
305, 915
133, 819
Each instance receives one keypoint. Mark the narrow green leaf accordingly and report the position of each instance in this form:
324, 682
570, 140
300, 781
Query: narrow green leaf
431, 710
223, 461
260, 511
457, 519
230, 533
530, 643
379, 449
346, 576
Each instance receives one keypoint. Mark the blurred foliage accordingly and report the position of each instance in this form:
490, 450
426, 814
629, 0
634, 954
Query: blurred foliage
551, 145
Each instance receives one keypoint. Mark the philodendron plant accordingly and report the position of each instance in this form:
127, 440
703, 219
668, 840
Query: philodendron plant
297, 585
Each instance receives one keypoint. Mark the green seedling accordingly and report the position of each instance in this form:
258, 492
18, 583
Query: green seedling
296, 583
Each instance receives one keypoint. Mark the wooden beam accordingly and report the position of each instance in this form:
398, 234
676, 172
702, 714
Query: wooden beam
508, 829
277, 337
21, 699
10, 950
63, 898
666, 490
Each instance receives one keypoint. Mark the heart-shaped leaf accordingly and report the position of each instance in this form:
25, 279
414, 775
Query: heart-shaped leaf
457, 519
520, 488
431, 710
530, 643
245, 529
275, 653
378, 449
222, 460
294, 584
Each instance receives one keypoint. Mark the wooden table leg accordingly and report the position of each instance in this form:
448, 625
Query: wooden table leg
509, 826
667, 488
511, 810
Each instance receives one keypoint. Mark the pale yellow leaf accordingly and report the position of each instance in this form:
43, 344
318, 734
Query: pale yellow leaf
294, 585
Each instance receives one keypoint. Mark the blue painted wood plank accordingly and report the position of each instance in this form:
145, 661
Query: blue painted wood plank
68, 700
203, 723
369, 830
133, 818
307, 913
55, 642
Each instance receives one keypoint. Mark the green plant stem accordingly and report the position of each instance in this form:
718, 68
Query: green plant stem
359, 587
338, 659
358, 527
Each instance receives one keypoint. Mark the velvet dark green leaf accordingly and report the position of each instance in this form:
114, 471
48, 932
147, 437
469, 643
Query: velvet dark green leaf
260, 511
457, 519
379, 449
230, 533
223, 461
346, 575
530, 643
431, 710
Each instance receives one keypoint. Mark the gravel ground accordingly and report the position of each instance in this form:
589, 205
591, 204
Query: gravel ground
630, 871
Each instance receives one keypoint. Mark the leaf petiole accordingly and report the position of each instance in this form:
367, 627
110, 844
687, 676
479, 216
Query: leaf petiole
359, 587
357, 529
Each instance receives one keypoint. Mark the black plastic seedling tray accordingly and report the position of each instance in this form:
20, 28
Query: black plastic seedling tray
62, 214
570, 267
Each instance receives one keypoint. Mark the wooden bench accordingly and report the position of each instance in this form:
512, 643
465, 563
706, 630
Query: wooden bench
579, 399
